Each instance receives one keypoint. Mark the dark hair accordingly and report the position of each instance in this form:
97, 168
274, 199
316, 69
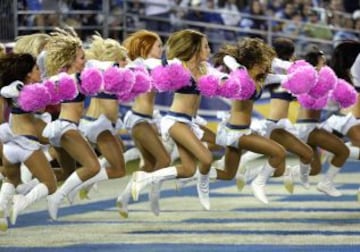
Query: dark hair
343, 57
248, 52
284, 48
15, 67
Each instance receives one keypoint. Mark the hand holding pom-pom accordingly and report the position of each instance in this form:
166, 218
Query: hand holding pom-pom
34, 97
310, 102
247, 84
208, 85
170, 77
300, 79
143, 82
118, 80
229, 88
53, 91
344, 94
327, 81
91, 81
66, 86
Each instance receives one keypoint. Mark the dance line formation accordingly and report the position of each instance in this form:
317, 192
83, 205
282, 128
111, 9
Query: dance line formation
53, 147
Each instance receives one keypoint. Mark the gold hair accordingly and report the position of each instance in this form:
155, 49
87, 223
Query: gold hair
61, 50
33, 43
105, 49
184, 44
139, 44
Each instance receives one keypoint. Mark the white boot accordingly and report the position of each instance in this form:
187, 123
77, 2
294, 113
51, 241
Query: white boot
123, 200
6, 194
203, 190
143, 179
100, 176
26, 175
289, 179
27, 187
258, 184
243, 174
154, 197
131, 154
354, 152
304, 172
182, 182
21, 202
326, 185
55, 199
219, 164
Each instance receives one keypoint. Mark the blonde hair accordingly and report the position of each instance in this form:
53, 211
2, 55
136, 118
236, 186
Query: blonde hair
105, 49
184, 44
33, 43
139, 44
61, 50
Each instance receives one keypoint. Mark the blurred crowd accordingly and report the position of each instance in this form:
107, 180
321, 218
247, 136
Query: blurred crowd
328, 20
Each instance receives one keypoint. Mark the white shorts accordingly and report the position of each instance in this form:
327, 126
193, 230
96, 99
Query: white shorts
171, 118
229, 135
132, 118
5, 133
91, 128
265, 127
20, 148
341, 123
305, 128
46, 116
56, 129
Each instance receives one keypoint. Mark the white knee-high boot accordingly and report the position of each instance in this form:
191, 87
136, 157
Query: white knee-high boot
6, 194
122, 200
21, 202
100, 176
326, 185
27, 187
258, 184
354, 152
143, 179
55, 199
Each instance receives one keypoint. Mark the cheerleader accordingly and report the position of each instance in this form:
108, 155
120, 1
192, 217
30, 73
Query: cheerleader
143, 45
22, 142
277, 126
65, 54
316, 136
256, 57
192, 50
100, 120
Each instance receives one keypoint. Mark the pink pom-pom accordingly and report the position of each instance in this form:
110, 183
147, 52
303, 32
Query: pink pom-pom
161, 78
296, 65
67, 88
326, 82
170, 77
180, 75
344, 94
126, 97
91, 81
208, 85
53, 91
247, 84
230, 88
301, 80
34, 97
118, 80
310, 102
143, 82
